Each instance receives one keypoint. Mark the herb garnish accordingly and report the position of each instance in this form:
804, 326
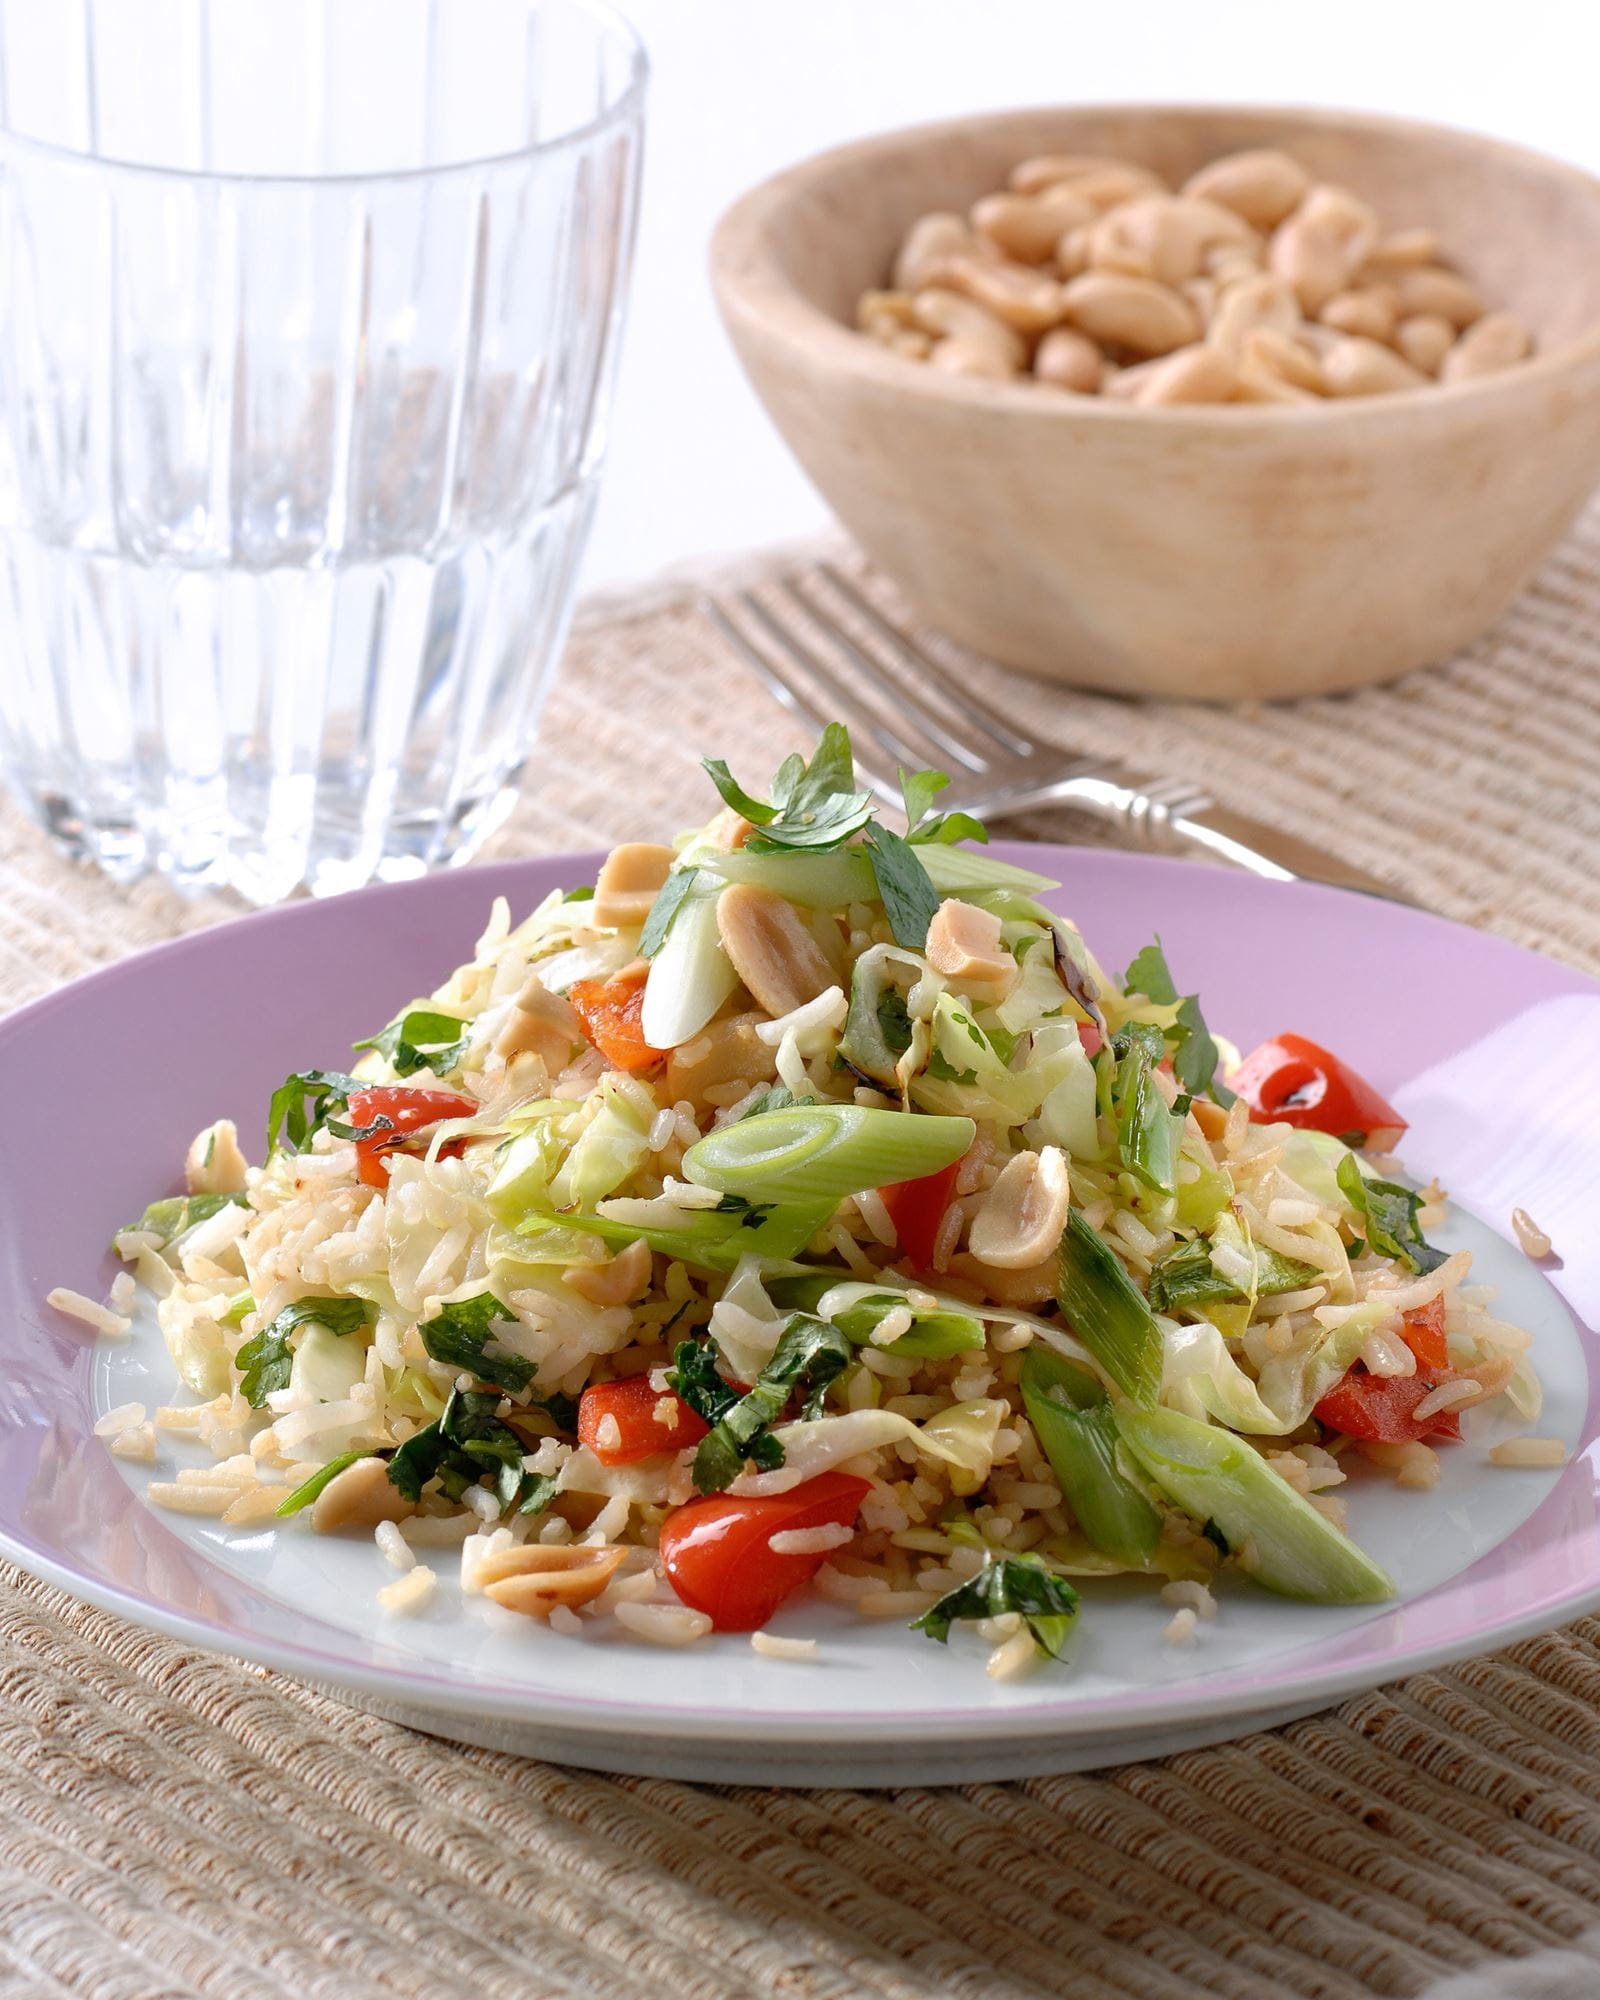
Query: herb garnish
910, 901
175, 1213
421, 1038
266, 1358
670, 899
289, 1115
461, 1333
465, 1442
1391, 1218
1186, 1276
1195, 1055
1047, 1604
810, 1353
813, 805
924, 827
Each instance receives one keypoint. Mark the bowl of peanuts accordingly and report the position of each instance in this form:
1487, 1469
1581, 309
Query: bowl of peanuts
1184, 401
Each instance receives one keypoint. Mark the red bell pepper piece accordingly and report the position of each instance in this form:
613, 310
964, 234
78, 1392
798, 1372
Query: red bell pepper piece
1290, 1081
718, 1552
1379, 1407
917, 1208
632, 1404
612, 1013
403, 1112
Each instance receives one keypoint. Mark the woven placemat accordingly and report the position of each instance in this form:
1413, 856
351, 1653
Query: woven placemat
174, 1825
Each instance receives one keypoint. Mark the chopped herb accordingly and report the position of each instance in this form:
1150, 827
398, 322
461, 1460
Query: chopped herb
465, 1442
1391, 1218
308, 1489
910, 901
918, 790
942, 1070
751, 1214
584, 893
810, 1353
776, 1098
535, 1493
239, 1307
302, 1105
1048, 1605
421, 1038
461, 1334
813, 805
670, 899
1194, 1053
265, 1360
1149, 975
170, 1217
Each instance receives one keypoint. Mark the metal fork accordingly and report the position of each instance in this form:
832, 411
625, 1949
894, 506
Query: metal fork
904, 709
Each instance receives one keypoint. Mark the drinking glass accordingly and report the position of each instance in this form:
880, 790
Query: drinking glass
310, 314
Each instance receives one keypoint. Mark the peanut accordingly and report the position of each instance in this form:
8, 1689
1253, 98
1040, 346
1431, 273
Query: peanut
767, 942
1024, 1213
359, 1497
215, 1163
617, 1282
629, 880
1197, 374
930, 242
1028, 227
1166, 238
1281, 355
1370, 310
1256, 302
1098, 181
884, 314
1428, 289
1262, 184
1498, 340
1358, 367
1322, 245
964, 944
1069, 360
540, 1023
962, 355
1405, 248
1425, 339
1130, 312
950, 315
1017, 295
535, 1577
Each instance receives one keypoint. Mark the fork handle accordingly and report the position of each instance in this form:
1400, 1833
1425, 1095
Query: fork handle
1174, 817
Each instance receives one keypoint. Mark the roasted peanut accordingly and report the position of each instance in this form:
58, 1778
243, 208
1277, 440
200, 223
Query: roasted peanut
1263, 185
1255, 302
1428, 289
1498, 340
1163, 237
615, 1283
1425, 339
215, 1163
1017, 295
770, 948
1197, 374
1024, 1213
536, 1576
930, 242
540, 1023
962, 355
1030, 1286
1370, 311
951, 315
1357, 367
1281, 355
359, 1497
1100, 181
1029, 226
1403, 249
1068, 359
964, 944
1322, 245
629, 880
1130, 312
884, 314
1260, 384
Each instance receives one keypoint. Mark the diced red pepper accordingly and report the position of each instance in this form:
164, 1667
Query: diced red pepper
917, 1208
636, 1409
1422, 1330
718, 1552
1378, 1408
404, 1113
612, 1013
1290, 1081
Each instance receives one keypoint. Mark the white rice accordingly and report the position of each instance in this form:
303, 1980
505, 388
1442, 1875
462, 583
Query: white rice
1528, 1451
76, 1306
773, 1648
409, 1593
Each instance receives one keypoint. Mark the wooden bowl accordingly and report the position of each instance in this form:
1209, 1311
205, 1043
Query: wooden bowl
1202, 552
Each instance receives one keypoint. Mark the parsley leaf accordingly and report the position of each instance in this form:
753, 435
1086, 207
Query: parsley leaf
1391, 1218
778, 1097
910, 901
266, 1359
461, 1334
308, 1489
421, 1038
1048, 1604
466, 1441
1195, 1055
918, 790
169, 1218
670, 899
694, 1376
328, 1091
810, 1353
815, 805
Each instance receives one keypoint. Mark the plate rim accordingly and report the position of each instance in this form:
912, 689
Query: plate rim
1055, 1718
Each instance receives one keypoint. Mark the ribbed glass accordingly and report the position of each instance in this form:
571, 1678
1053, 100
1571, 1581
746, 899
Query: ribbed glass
309, 311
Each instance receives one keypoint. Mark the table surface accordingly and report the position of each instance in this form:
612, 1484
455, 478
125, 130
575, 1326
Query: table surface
741, 90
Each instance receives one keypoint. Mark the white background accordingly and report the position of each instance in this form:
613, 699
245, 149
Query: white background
744, 87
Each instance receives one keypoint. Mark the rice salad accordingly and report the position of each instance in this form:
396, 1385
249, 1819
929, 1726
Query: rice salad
803, 1208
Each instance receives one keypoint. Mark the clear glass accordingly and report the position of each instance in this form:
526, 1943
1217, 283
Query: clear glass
311, 309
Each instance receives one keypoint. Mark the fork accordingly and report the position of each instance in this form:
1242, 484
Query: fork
996, 768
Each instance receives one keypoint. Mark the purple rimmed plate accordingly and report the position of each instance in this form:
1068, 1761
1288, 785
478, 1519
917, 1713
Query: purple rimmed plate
1475, 1041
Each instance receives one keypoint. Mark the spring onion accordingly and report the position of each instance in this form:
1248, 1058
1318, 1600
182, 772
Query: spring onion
1071, 1417
827, 881
690, 976
308, 1489
711, 1240
858, 1310
1105, 1309
168, 1218
1147, 1132
823, 1152
1280, 1538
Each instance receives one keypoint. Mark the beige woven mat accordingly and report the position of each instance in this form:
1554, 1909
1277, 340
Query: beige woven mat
175, 1825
